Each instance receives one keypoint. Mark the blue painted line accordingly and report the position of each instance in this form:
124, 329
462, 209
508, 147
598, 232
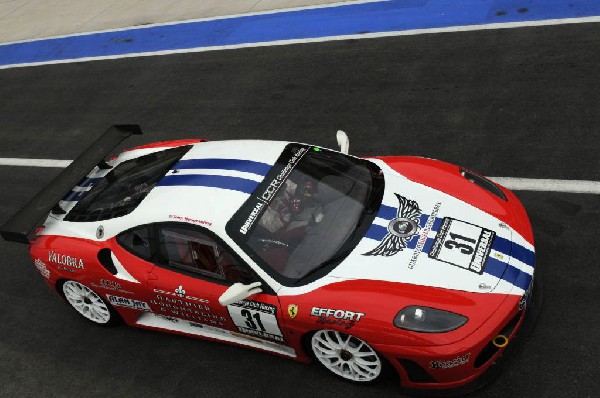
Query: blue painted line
223, 182
247, 166
307, 24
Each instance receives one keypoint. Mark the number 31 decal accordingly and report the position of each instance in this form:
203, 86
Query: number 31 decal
256, 319
463, 247
251, 318
462, 244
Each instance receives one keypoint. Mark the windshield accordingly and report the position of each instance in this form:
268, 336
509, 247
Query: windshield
309, 212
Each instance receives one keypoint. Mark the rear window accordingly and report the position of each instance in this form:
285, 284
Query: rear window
124, 187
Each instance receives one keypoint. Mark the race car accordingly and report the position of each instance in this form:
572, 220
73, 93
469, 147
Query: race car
361, 264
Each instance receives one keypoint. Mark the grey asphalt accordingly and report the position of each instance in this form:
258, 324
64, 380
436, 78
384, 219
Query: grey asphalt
521, 102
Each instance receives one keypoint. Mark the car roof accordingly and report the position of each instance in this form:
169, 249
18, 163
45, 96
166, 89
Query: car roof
210, 182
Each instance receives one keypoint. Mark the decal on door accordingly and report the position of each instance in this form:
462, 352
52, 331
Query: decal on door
462, 244
256, 319
400, 230
128, 302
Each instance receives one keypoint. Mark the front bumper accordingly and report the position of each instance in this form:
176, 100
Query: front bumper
469, 364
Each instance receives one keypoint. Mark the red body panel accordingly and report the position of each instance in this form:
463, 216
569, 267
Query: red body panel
167, 144
446, 177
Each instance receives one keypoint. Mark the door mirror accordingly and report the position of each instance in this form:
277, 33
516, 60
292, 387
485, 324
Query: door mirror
239, 291
343, 141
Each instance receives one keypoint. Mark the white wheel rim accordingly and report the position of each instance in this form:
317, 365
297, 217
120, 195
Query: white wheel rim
346, 356
86, 302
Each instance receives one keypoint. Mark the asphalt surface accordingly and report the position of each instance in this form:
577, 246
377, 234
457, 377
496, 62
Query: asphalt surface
522, 103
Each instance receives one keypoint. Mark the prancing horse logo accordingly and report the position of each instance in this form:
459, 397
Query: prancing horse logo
292, 310
400, 230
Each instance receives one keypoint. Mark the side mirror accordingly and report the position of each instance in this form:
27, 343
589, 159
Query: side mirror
343, 141
239, 291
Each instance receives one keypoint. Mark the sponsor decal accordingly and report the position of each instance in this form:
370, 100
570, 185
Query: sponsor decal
190, 220
276, 182
400, 230
342, 318
195, 325
128, 302
63, 260
169, 318
484, 286
458, 361
109, 285
42, 268
526, 298
189, 307
256, 319
292, 310
252, 218
263, 197
180, 291
423, 236
462, 244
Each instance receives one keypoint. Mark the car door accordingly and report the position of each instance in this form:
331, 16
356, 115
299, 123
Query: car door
193, 268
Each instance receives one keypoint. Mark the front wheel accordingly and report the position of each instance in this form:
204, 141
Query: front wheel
87, 303
346, 356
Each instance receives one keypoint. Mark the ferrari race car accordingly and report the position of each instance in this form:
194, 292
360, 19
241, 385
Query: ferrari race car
404, 263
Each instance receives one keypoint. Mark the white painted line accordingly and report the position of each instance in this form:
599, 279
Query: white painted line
414, 32
548, 185
34, 162
513, 183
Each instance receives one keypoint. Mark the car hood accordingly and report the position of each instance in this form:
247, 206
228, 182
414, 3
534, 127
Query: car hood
426, 237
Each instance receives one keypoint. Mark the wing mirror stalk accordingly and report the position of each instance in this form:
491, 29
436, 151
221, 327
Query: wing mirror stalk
239, 291
343, 141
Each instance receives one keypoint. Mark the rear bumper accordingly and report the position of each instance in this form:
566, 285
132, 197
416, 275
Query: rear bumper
469, 364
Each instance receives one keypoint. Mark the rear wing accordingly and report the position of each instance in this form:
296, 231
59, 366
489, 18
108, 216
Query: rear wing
25, 220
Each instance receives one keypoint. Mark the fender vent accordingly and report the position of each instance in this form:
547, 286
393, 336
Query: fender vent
106, 261
483, 183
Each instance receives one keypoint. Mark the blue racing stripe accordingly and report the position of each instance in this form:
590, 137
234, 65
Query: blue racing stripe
523, 254
376, 232
502, 245
387, 212
248, 166
86, 182
74, 196
214, 181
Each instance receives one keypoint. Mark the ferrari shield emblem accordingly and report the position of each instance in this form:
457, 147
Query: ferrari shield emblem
292, 310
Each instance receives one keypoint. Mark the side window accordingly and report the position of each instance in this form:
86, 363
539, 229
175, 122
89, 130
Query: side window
136, 241
196, 252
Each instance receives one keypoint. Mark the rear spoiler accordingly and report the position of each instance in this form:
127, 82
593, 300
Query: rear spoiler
25, 220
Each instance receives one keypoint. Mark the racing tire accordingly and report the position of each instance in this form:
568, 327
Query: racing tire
347, 356
88, 303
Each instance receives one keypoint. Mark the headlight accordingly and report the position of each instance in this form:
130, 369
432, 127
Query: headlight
429, 320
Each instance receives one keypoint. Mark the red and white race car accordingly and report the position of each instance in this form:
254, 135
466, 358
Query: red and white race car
401, 262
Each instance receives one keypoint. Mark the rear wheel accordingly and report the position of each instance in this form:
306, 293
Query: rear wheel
346, 356
87, 303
